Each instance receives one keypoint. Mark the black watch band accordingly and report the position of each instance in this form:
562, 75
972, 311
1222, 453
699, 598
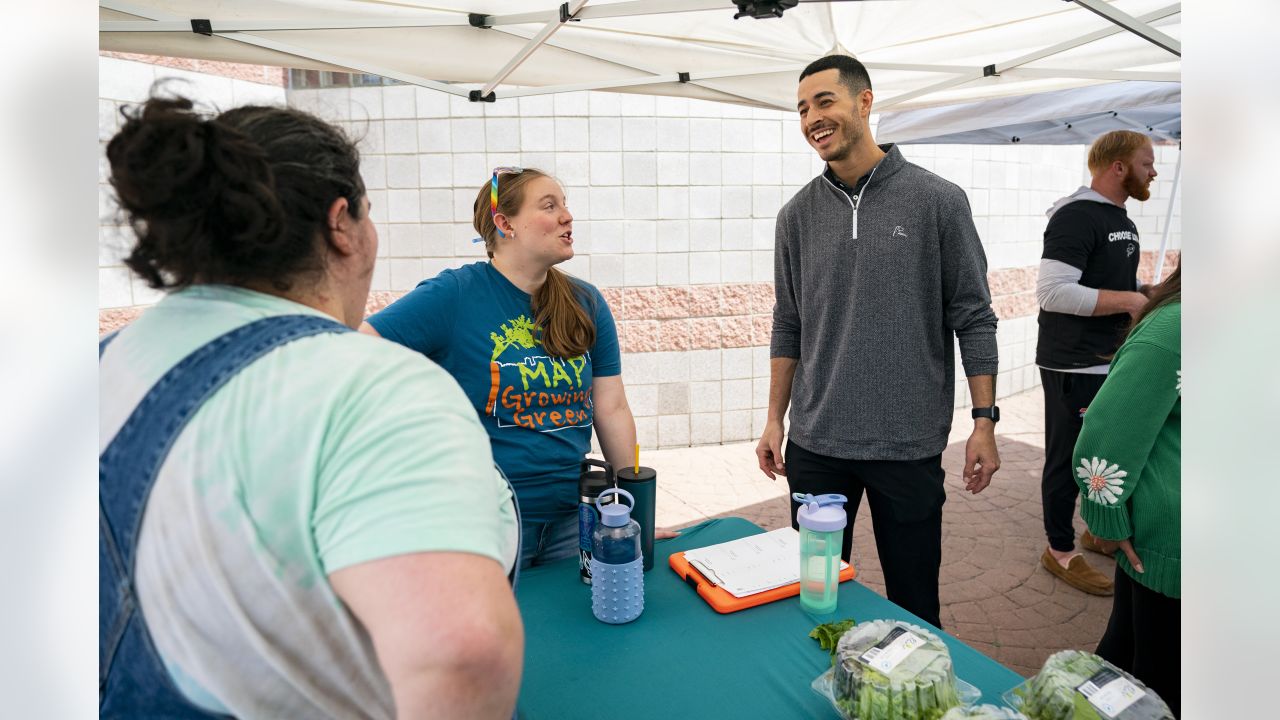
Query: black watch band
992, 412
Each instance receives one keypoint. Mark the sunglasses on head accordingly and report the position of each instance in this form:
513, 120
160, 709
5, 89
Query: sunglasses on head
493, 193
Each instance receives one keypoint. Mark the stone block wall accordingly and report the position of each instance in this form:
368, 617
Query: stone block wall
675, 202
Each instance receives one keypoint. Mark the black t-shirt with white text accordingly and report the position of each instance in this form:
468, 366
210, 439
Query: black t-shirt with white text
1100, 240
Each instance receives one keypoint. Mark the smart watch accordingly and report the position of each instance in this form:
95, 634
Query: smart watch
992, 412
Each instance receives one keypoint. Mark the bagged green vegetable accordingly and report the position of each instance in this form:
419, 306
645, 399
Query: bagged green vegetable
890, 670
828, 634
1075, 685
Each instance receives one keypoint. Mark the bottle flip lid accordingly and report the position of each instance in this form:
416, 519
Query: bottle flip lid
615, 514
823, 513
591, 482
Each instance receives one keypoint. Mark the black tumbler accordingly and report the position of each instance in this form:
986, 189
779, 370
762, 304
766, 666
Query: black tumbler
643, 486
590, 484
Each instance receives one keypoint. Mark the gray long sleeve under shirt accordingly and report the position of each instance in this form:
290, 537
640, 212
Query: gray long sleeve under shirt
868, 304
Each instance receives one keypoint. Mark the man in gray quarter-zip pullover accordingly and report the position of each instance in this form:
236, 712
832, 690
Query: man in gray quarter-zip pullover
877, 265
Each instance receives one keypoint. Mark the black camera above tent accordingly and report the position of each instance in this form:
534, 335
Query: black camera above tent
760, 9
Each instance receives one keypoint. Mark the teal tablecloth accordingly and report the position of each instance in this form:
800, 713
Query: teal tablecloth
683, 659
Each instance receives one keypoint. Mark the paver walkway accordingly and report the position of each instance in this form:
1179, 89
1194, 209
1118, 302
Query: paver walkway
995, 596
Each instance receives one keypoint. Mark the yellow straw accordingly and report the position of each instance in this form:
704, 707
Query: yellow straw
637, 458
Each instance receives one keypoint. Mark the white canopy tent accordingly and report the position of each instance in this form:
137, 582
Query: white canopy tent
1061, 117
920, 52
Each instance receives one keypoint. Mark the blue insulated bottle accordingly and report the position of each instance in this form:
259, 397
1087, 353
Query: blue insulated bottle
617, 564
590, 484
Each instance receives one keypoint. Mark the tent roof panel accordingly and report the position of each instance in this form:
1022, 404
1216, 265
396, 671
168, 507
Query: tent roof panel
970, 33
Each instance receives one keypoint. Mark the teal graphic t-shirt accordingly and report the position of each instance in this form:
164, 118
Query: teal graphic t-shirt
537, 409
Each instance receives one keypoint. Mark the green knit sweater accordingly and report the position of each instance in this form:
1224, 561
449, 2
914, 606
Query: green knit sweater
1128, 461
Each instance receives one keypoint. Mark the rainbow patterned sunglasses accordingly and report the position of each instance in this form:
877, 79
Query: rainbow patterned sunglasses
493, 193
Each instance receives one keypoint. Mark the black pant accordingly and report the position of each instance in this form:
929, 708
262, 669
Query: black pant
1144, 638
906, 500
1066, 395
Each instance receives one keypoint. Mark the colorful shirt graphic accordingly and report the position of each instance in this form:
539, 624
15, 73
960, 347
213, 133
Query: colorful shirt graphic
535, 392
536, 408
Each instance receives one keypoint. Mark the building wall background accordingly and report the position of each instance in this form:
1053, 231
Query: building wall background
674, 203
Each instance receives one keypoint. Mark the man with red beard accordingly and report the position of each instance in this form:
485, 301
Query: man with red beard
1088, 291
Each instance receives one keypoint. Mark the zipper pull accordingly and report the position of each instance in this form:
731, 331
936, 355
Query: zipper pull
854, 223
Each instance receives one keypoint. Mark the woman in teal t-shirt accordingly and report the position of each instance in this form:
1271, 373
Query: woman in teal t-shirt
535, 350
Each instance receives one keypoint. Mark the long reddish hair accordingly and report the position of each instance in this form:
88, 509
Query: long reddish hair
1166, 293
567, 329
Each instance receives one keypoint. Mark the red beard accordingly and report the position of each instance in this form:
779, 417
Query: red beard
1135, 188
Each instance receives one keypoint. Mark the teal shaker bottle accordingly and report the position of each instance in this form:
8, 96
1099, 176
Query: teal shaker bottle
822, 520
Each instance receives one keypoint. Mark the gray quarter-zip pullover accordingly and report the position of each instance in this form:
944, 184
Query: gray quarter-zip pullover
869, 294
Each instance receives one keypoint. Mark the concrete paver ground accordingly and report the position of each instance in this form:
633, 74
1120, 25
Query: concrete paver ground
995, 595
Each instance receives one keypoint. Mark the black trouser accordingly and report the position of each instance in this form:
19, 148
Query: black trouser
1144, 637
1066, 395
906, 500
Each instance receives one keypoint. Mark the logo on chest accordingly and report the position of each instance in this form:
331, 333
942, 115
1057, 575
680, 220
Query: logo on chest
898, 232
531, 389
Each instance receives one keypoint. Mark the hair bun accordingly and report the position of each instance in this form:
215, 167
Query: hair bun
237, 198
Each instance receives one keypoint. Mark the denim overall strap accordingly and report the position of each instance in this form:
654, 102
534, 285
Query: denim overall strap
513, 577
132, 679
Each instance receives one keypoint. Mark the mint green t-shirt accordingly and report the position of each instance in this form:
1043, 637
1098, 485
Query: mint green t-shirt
331, 451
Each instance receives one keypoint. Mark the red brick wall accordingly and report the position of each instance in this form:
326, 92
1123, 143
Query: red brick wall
706, 317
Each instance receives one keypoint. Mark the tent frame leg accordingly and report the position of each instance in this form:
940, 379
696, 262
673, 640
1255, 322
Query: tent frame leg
1132, 24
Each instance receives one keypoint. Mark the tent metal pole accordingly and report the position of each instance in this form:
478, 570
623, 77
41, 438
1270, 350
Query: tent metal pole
1084, 39
1140, 75
568, 10
226, 26
1132, 24
601, 85
308, 53
968, 77
651, 80
1168, 218
632, 65
347, 63
997, 68
621, 9
1143, 127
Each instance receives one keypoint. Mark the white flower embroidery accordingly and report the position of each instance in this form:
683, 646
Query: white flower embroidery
1179, 384
1106, 483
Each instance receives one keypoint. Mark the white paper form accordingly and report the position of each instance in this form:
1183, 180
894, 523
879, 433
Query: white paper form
752, 564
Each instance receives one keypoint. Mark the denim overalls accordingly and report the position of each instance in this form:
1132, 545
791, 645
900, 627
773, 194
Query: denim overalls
132, 679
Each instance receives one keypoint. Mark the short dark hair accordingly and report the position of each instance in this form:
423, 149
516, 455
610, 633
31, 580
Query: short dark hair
853, 74
238, 198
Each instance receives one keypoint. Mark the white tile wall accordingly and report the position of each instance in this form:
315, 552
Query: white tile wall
665, 191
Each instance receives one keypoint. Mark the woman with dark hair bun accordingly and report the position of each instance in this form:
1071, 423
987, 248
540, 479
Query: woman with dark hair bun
535, 350
296, 520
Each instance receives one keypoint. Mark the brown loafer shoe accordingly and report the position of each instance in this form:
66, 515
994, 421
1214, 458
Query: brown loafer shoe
1089, 542
1078, 574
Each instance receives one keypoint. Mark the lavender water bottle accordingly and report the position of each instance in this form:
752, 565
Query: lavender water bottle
617, 564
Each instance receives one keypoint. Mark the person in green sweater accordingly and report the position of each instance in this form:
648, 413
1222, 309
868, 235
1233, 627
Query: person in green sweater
1128, 464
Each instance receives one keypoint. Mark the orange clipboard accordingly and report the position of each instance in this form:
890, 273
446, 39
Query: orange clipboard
721, 600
